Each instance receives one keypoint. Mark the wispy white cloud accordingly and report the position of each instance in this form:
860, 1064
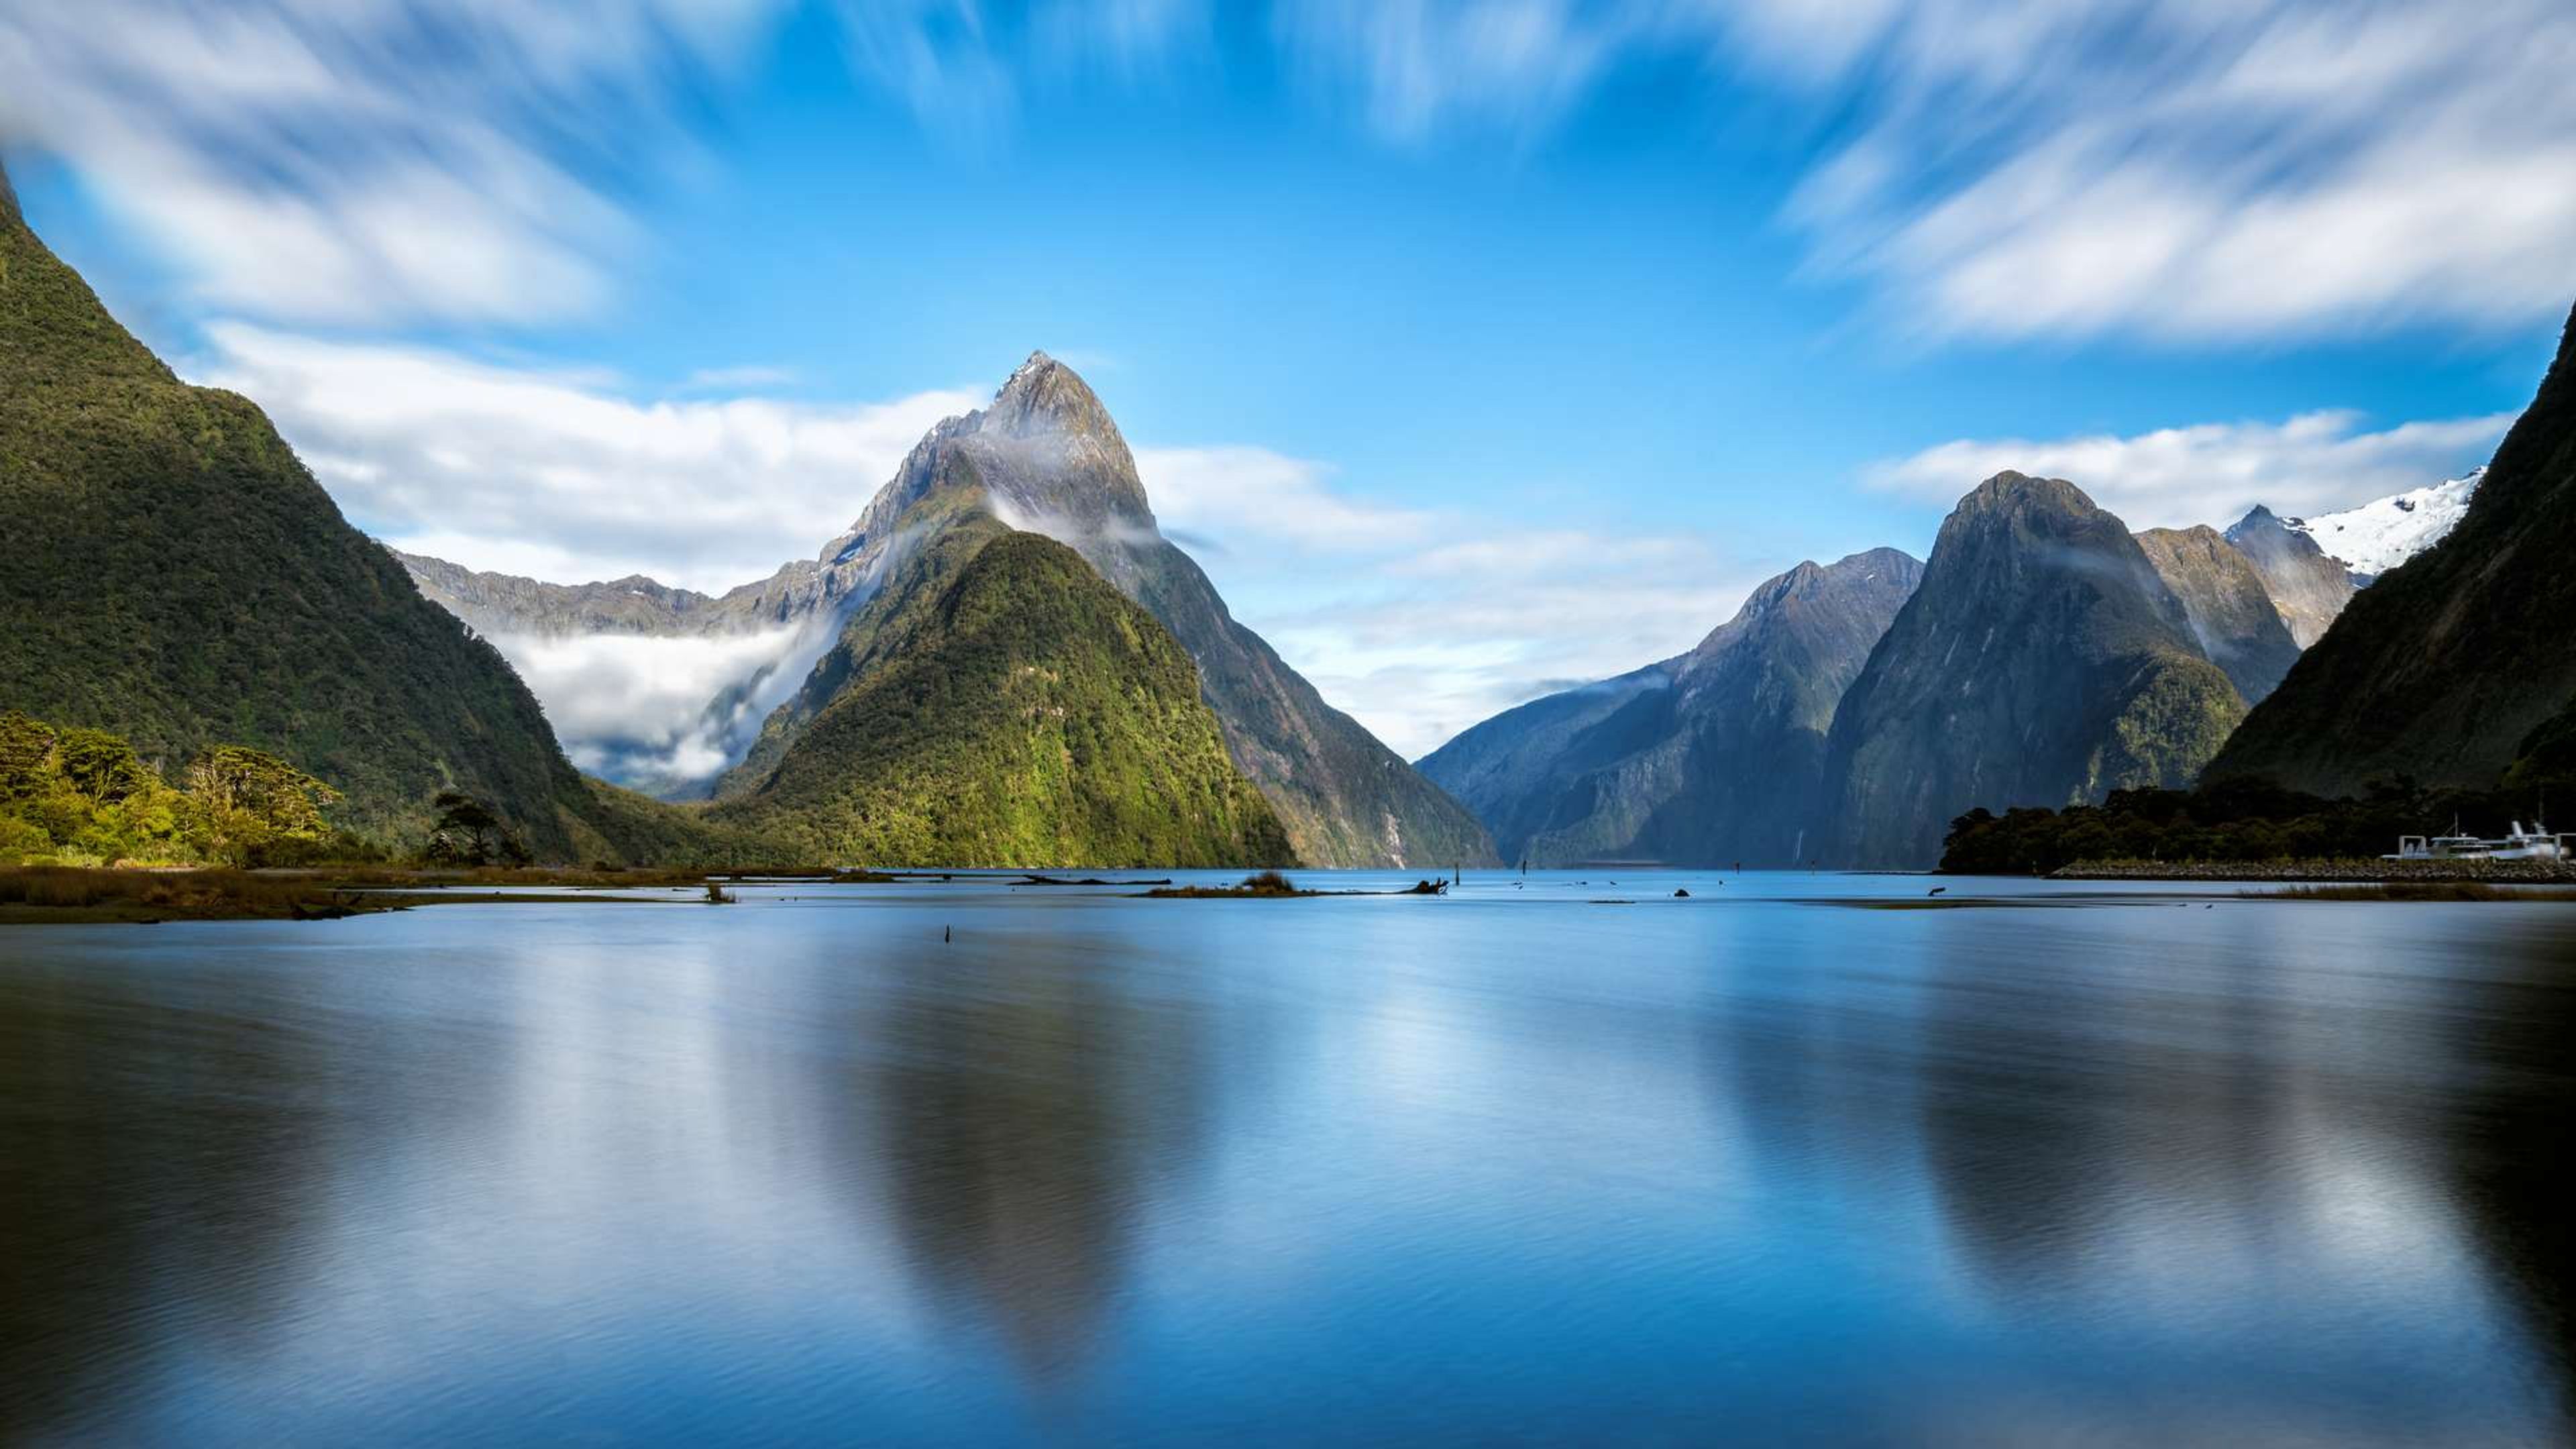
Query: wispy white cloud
963, 68
1417, 67
2213, 472
384, 162
2212, 170
2048, 169
1244, 493
562, 476
317, 160
1423, 621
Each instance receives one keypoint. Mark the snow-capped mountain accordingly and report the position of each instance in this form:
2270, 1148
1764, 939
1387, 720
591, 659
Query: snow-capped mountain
2381, 534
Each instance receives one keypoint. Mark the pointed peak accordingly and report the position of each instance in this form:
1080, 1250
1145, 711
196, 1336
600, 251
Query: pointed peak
1043, 395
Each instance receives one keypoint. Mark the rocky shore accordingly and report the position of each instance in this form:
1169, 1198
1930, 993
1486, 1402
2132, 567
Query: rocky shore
2501, 872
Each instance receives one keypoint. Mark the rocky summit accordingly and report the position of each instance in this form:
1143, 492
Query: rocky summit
2042, 660
1046, 457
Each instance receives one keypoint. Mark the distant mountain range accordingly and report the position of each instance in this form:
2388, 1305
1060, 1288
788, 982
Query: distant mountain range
2049, 656
1044, 457
1717, 754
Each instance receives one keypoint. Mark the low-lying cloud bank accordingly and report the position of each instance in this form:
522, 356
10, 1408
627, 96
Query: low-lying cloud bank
662, 715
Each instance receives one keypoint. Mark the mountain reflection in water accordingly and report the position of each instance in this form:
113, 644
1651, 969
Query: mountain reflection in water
1499, 1166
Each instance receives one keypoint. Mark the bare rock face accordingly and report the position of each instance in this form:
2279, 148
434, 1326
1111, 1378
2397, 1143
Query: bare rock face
2449, 663
2042, 661
2231, 613
2308, 588
1711, 757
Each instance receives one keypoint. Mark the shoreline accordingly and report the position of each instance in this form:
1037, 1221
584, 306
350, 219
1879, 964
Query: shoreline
2327, 872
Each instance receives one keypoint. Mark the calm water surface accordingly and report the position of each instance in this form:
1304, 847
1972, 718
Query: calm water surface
1506, 1167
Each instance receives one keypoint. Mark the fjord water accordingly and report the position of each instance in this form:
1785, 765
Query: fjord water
1507, 1166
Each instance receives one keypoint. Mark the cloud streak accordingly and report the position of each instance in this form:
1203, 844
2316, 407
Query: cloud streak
558, 476
2191, 172
2207, 171
2212, 472
340, 163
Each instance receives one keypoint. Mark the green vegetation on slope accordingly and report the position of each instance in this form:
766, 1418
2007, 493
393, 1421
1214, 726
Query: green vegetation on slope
84, 797
172, 573
2168, 728
1003, 705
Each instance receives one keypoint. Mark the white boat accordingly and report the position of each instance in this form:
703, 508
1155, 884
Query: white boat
2518, 844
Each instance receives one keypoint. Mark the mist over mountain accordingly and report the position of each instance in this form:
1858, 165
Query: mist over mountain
1003, 705
1713, 756
2308, 588
2230, 609
2042, 660
622, 663
656, 688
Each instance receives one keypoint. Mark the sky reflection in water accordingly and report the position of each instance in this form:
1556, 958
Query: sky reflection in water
1501, 1167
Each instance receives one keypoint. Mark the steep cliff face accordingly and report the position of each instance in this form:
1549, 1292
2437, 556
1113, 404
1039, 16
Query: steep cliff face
2231, 613
1009, 708
2308, 588
2444, 666
170, 571
1715, 756
1047, 458
2042, 660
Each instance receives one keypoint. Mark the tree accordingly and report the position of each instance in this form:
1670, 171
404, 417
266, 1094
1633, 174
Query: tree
235, 778
468, 833
246, 800
100, 765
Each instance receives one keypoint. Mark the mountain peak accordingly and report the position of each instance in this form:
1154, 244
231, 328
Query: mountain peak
2008, 488
1044, 396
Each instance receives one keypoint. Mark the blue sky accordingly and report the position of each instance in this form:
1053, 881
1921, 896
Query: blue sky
1474, 346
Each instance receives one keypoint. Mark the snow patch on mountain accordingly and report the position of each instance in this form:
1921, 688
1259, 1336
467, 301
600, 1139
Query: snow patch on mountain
2380, 535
